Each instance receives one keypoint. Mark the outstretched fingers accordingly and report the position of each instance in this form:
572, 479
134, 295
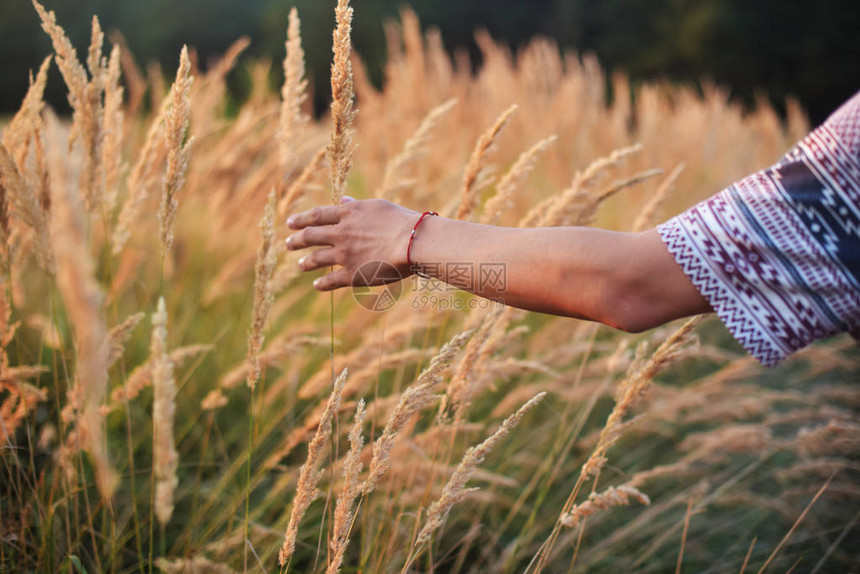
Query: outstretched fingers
318, 259
334, 280
320, 215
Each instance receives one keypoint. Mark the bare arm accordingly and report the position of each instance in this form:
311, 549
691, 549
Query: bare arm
628, 281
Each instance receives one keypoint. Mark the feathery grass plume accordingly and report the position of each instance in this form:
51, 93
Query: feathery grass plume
414, 399
4, 224
349, 491
612, 496
297, 187
83, 301
341, 148
294, 90
26, 206
140, 179
393, 182
635, 386
113, 126
27, 120
556, 207
141, 377
214, 400
645, 217
455, 490
263, 298
134, 79
178, 150
502, 201
474, 178
309, 475
119, 335
165, 458
85, 97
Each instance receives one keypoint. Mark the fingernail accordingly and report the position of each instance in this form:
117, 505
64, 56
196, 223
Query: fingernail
317, 282
302, 261
289, 240
291, 220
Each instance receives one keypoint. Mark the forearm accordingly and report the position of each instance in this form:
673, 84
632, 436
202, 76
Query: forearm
563, 270
627, 280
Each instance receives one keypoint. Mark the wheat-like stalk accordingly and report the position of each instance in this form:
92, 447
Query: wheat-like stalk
507, 187
474, 177
299, 185
418, 396
178, 150
26, 206
83, 301
165, 459
309, 475
612, 496
341, 148
393, 183
27, 120
455, 490
120, 334
263, 297
139, 180
113, 125
349, 491
294, 90
645, 217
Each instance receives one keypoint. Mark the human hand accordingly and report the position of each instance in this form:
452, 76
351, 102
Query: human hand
357, 234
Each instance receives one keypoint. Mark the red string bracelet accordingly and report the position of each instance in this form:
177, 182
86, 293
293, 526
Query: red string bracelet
412, 238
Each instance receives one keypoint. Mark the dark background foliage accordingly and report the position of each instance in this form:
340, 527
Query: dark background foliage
807, 49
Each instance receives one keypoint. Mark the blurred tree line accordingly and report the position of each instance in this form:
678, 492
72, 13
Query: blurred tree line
808, 49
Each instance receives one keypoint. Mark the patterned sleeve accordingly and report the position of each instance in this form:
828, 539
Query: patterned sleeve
777, 254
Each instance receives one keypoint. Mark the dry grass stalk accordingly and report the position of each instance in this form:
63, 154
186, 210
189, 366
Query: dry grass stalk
178, 150
140, 179
349, 491
119, 335
502, 201
83, 301
612, 496
393, 183
579, 207
341, 148
165, 458
85, 97
634, 387
294, 90
309, 475
214, 400
646, 216
27, 120
113, 125
474, 178
263, 298
20, 401
26, 206
299, 185
553, 209
455, 490
414, 399
141, 377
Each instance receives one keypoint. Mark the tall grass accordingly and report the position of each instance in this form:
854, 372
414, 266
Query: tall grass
661, 451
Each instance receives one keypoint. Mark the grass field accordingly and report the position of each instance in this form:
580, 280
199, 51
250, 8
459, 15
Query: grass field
174, 395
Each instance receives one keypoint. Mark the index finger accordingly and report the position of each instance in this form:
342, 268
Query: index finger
320, 215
